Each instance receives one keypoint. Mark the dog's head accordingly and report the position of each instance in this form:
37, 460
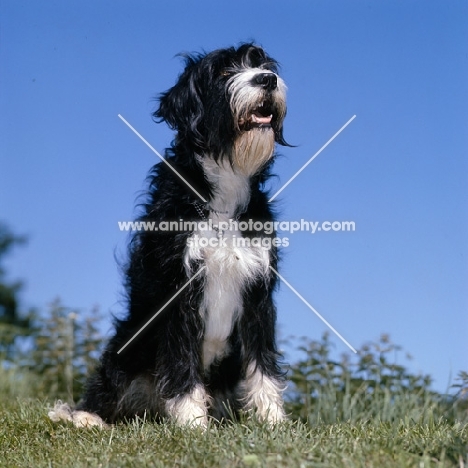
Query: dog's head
229, 103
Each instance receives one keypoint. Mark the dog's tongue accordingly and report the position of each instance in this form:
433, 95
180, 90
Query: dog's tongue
260, 119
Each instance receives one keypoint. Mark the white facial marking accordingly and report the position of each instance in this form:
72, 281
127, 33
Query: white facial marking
245, 96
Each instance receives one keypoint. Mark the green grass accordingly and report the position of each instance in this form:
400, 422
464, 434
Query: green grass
29, 439
368, 412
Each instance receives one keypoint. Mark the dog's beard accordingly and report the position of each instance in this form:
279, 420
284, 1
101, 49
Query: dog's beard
252, 149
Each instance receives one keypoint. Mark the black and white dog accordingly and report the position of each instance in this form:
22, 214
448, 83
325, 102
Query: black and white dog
211, 351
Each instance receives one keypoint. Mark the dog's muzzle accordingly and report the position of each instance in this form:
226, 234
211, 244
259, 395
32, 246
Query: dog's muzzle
267, 81
263, 114
258, 102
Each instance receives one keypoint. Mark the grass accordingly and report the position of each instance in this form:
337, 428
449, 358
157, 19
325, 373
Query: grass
368, 412
29, 439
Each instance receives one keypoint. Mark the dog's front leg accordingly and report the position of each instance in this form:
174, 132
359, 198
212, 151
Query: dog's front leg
190, 408
263, 384
185, 399
262, 393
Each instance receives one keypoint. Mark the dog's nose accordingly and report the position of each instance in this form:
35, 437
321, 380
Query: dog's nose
267, 81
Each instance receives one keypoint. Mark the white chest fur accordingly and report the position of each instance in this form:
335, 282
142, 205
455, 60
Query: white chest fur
230, 264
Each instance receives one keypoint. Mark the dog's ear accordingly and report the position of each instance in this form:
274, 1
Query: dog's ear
181, 106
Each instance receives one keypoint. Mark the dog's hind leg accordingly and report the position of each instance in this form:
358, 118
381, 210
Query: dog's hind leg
63, 412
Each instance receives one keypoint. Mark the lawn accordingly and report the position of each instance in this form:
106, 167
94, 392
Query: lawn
29, 439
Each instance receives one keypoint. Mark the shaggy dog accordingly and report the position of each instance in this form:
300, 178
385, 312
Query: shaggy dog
211, 350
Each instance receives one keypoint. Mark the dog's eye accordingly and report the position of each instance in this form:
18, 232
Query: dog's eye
225, 73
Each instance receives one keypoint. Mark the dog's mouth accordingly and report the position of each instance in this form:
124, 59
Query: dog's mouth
259, 117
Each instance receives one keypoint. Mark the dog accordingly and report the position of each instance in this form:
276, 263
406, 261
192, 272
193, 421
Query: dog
211, 350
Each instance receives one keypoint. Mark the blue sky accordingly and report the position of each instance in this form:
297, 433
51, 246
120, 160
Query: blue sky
70, 169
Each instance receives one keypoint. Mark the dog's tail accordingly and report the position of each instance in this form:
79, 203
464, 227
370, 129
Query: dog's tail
63, 412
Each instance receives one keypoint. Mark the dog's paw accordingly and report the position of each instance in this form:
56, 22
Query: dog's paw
63, 412
274, 414
191, 409
263, 396
85, 419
